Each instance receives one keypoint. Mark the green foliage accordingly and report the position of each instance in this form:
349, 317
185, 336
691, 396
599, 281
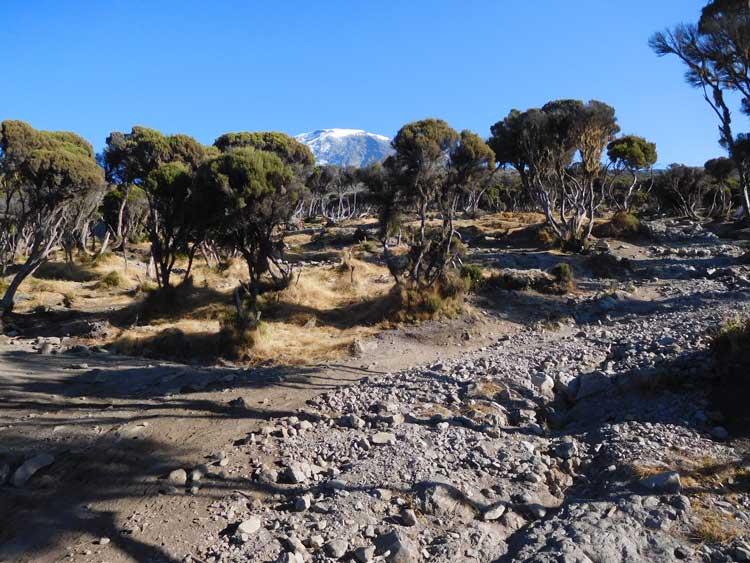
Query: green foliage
563, 273
720, 169
444, 299
288, 149
632, 152
246, 196
473, 276
542, 145
622, 226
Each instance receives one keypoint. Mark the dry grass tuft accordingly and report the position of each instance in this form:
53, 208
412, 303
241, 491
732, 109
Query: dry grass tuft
111, 280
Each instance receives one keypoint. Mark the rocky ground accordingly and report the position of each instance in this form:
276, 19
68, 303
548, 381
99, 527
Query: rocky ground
587, 435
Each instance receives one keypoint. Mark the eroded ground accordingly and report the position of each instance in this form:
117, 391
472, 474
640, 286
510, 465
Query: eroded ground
536, 427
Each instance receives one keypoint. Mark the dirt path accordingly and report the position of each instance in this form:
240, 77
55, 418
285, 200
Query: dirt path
117, 425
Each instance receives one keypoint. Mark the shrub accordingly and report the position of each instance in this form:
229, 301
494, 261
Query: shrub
369, 246
564, 277
472, 275
547, 237
608, 266
444, 299
237, 337
563, 272
731, 352
622, 225
167, 302
111, 280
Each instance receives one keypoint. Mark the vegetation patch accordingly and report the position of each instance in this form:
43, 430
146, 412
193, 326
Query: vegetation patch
65, 271
111, 280
731, 353
473, 276
622, 226
605, 265
444, 300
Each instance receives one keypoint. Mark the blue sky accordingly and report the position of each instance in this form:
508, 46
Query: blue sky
205, 68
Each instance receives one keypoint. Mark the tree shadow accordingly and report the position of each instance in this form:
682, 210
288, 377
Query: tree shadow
72, 501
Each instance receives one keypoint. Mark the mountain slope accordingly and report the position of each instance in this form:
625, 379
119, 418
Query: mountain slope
346, 147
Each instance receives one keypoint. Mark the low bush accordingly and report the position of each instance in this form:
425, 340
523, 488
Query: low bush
111, 280
622, 225
472, 275
731, 353
564, 278
444, 299
167, 302
237, 337
605, 265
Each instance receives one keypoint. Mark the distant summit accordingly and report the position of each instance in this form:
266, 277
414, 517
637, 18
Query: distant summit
346, 147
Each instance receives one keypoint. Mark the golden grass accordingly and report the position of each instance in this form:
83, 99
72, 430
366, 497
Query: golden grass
316, 318
703, 480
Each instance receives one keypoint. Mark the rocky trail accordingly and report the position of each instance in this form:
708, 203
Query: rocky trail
587, 434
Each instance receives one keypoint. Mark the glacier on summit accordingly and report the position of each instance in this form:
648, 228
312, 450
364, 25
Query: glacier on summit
346, 147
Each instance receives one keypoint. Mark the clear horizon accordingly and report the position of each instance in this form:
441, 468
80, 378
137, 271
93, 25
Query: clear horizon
297, 67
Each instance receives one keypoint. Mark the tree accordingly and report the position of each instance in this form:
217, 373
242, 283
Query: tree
420, 167
557, 152
51, 182
473, 163
162, 166
716, 52
721, 173
248, 196
682, 189
173, 218
632, 155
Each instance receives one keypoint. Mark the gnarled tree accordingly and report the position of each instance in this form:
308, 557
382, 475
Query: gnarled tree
557, 152
634, 156
162, 166
716, 52
249, 195
51, 182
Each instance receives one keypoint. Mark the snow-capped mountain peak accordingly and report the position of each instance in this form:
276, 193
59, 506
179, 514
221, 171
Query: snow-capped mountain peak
346, 147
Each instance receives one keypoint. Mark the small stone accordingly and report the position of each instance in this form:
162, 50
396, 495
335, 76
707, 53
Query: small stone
293, 474
103, 541
302, 503
399, 547
316, 542
668, 483
442, 426
383, 438
336, 548
409, 517
248, 527
351, 421
178, 477
364, 554
494, 512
